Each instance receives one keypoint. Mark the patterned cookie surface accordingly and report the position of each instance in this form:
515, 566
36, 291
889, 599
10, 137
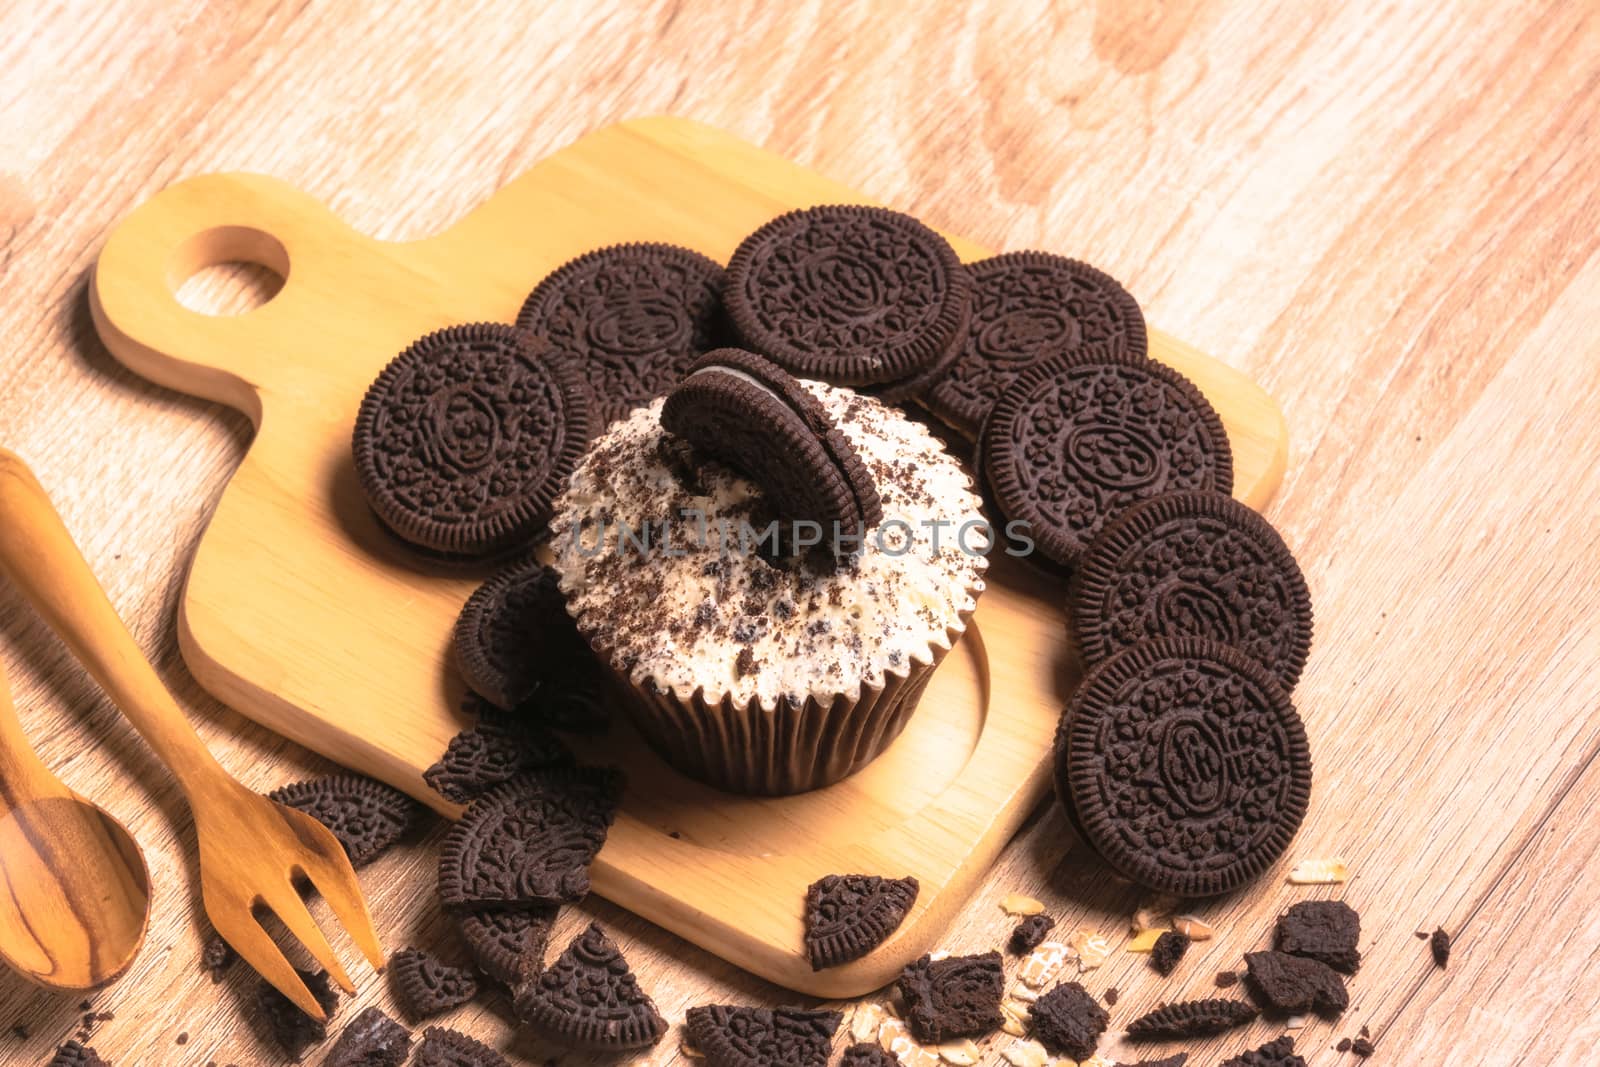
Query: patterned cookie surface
1027, 306
1185, 765
1075, 441
849, 915
848, 294
508, 945
466, 437
425, 986
957, 996
529, 841
1193, 564
632, 317
732, 1036
1192, 1018
753, 416
495, 751
496, 641
448, 1048
364, 814
589, 999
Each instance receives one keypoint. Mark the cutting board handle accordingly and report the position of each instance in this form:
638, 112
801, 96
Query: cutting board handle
198, 223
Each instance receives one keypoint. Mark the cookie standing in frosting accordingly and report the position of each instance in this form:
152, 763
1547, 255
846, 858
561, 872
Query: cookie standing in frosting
752, 415
702, 615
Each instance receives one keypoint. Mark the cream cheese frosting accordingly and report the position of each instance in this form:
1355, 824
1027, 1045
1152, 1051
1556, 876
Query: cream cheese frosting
654, 549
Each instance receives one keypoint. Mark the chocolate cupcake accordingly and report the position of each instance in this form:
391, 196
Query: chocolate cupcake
751, 669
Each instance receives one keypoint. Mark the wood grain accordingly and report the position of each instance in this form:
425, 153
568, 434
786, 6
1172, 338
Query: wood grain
1387, 214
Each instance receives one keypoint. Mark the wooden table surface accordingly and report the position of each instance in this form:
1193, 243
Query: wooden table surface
1388, 214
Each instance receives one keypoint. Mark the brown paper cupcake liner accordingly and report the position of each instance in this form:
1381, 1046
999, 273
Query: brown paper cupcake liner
777, 751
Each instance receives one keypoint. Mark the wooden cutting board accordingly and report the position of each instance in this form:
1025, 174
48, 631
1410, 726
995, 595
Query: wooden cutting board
304, 616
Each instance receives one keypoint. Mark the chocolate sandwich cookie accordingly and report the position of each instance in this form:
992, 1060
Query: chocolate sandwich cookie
371, 1039
852, 295
508, 945
957, 996
529, 842
1027, 306
633, 317
448, 1048
1323, 930
752, 415
493, 752
1074, 441
730, 1036
365, 815
496, 640
1192, 1018
425, 986
849, 915
1068, 1021
865, 1054
588, 999
1193, 564
1185, 765
466, 437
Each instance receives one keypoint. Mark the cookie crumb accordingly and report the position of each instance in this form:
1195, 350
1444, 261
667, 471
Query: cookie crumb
1439, 943
1225, 979
1110, 997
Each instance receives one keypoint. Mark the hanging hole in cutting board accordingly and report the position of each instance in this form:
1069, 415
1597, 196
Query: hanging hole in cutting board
930, 753
228, 270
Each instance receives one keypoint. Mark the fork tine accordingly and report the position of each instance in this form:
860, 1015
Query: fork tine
257, 949
336, 880
292, 912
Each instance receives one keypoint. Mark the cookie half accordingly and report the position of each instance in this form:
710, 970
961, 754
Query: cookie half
732, 1036
588, 999
632, 318
363, 813
425, 986
464, 440
1027, 306
491, 753
1193, 564
757, 418
1185, 765
1073, 442
508, 945
529, 842
852, 295
849, 915
371, 1039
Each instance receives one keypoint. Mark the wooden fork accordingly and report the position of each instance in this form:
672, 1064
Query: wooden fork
251, 849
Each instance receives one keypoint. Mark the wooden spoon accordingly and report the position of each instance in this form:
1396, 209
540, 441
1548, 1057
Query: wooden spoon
74, 890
